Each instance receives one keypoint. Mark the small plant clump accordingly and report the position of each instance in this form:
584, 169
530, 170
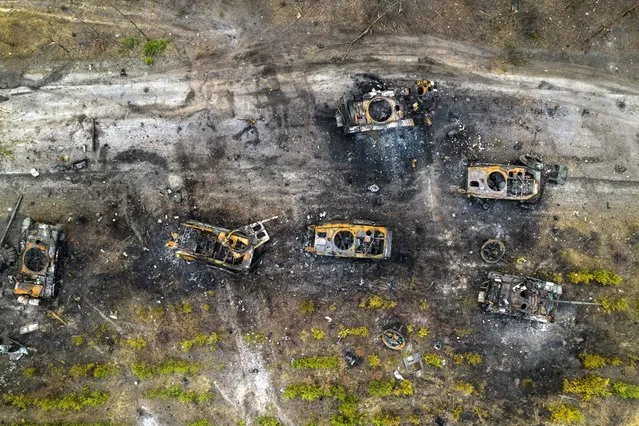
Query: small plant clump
29, 372
432, 359
317, 362
254, 338
200, 422
308, 307
423, 332
81, 370
143, 370
183, 308
201, 340
565, 414
348, 413
268, 421
608, 306
317, 334
383, 388
176, 391
304, 391
373, 361
473, 358
377, 302
77, 340
465, 388
130, 43
356, 331
386, 420
626, 390
423, 305
588, 387
592, 361
102, 371
602, 276
149, 314
136, 344
152, 48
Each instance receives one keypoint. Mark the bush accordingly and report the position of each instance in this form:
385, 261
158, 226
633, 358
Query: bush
565, 414
591, 361
29, 372
588, 387
465, 388
626, 390
317, 334
357, 331
373, 361
142, 370
304, 391
317, 362
404, 389
473, 358
423, 332
377, 302
152, 48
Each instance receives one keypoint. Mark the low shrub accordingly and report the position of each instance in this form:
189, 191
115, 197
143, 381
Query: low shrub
201, 340
377, 302
373, 361
609, 306
626, 390
317, 334
357, 331
136, 344
307, 307
602, 276
592, 361
432, 359
588, 387
565, 414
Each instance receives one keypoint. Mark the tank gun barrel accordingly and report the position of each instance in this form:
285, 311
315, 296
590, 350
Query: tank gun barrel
577, 302
13, 216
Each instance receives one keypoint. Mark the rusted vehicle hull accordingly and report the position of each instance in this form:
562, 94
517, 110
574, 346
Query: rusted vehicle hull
351, 240
521, 297
503, 182
39, 247
383, 109
226, 249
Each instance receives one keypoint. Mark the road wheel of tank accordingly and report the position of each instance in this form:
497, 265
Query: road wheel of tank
8, 256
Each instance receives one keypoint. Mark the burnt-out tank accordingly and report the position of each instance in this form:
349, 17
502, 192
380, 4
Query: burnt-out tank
222, 248
39, 245
520, 297
384, 108
363, 240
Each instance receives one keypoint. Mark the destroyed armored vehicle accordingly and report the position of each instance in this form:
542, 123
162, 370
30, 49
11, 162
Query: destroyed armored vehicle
39, 246
522, 182
521, 297
383, 109
361, 240
226, 249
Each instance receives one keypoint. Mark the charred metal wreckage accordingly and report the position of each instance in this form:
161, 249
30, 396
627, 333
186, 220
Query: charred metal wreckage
360, 239
521, 297
518, 182
385, 109
230, 250
39, 245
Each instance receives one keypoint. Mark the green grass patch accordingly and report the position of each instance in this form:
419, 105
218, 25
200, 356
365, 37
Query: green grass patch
254, 338
201, 340
144, 370
626, 390
604, 277
356, 331
423, 305
565, 414
74, 401
77, 340
588, 387
592, 361
149, 314
182, 395
373, 361
465, 388
423, 332
304, 391
183, 308
386, 420
102, 371
377, 302
81, 370
317, 362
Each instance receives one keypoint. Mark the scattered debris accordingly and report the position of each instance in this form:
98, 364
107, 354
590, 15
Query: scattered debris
373, 188
34, 172
176, 190
385, 109
357, 240
414, 363
492, 251
350, 358
39, 247
521, 297
29, 328
398, 376
230, 250
75, 166
14, 349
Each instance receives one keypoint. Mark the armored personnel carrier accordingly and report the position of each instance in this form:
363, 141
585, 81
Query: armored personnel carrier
361, 240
